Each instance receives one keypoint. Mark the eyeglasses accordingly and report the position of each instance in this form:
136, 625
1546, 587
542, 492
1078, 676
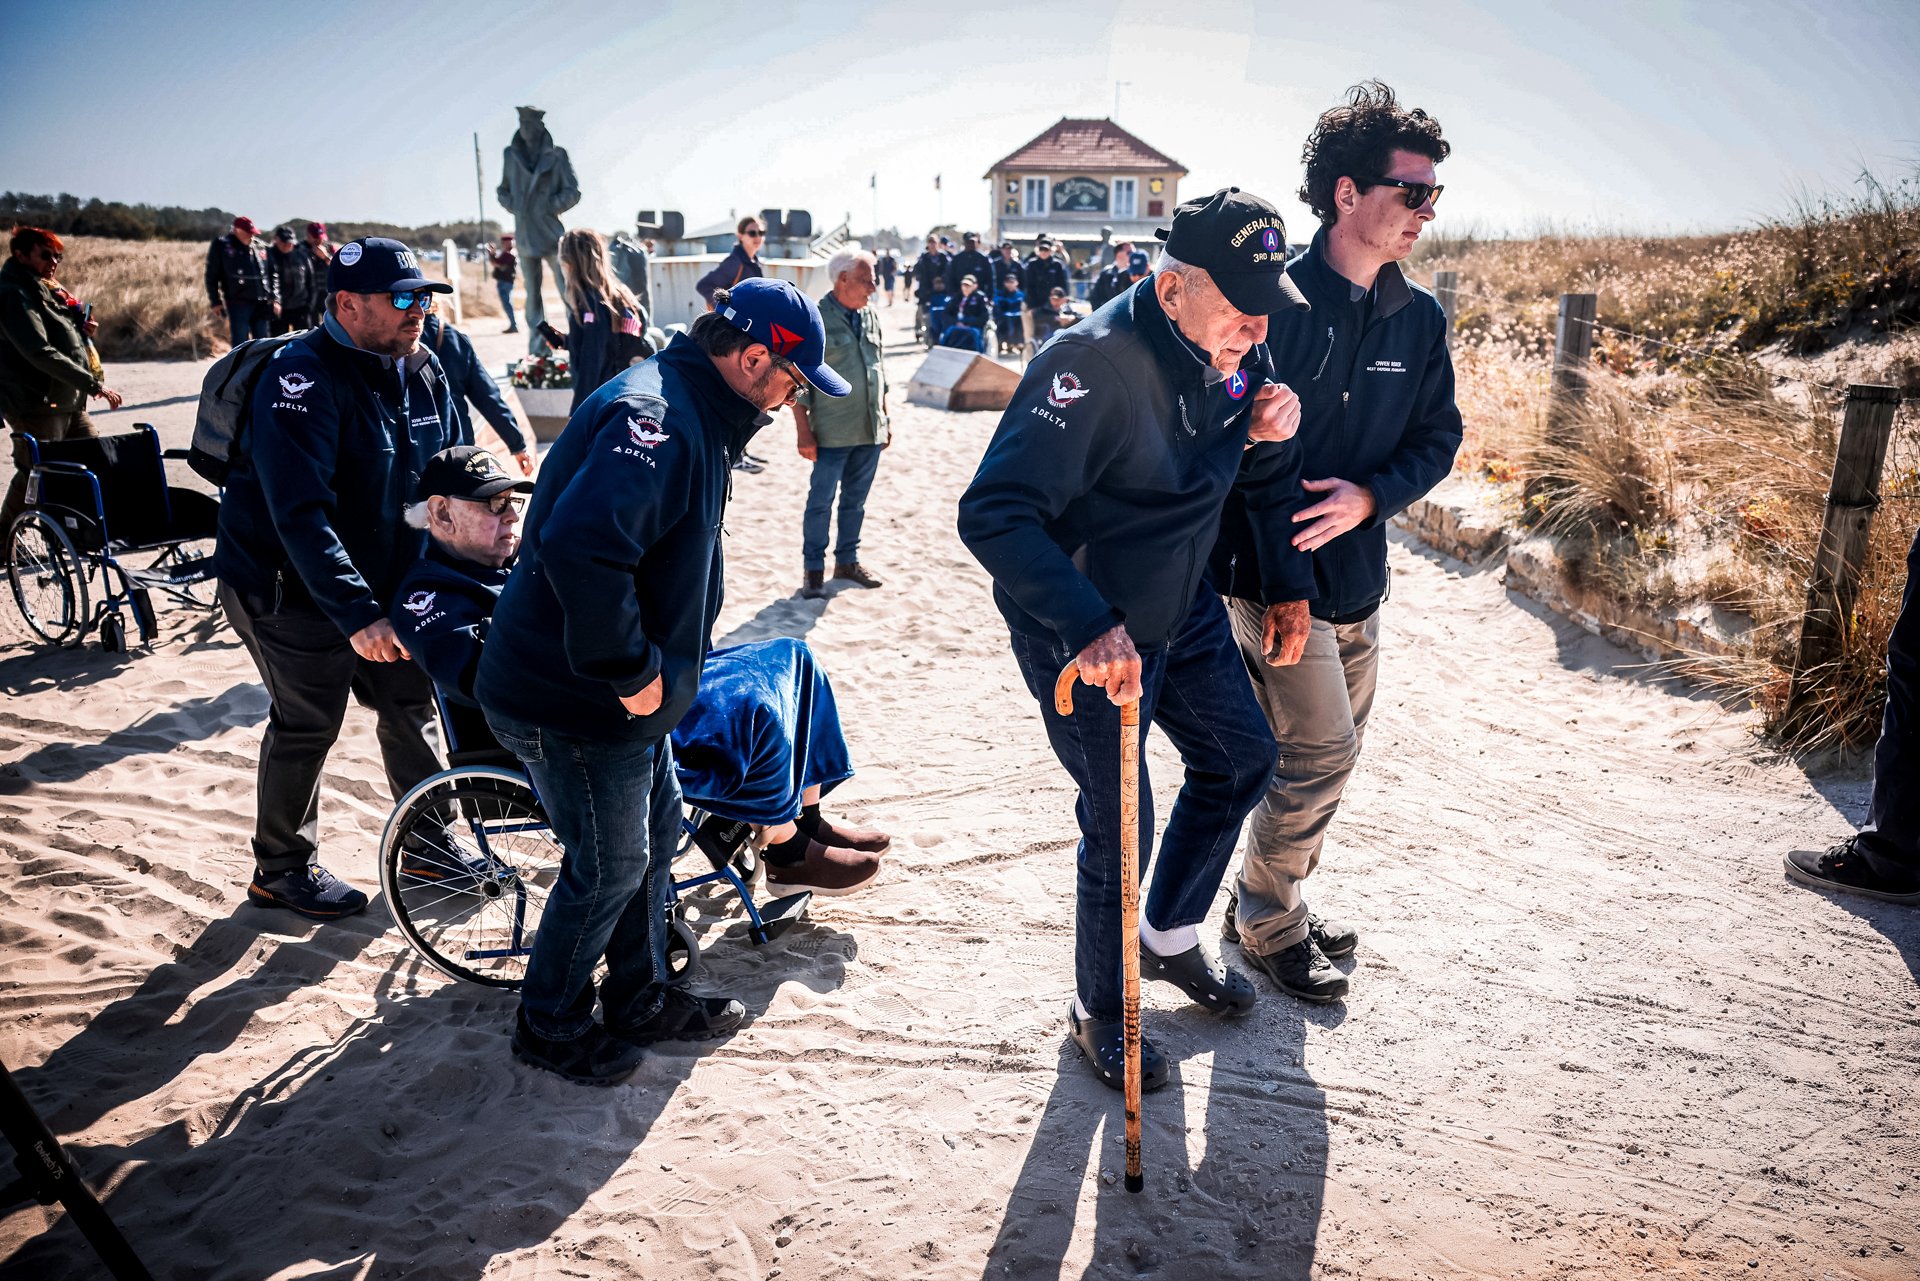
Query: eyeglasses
1418, 193
407, 299
792, 371
500, 504
755, 235
51, 255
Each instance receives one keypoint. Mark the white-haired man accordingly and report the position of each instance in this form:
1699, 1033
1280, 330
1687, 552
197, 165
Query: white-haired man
1094, 509
843, 437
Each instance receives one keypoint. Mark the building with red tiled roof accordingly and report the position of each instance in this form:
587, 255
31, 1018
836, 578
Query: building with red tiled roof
1078, 177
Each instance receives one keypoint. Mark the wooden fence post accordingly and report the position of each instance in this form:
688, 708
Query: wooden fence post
450, 254
1851, 499
1446, 288
1572, 348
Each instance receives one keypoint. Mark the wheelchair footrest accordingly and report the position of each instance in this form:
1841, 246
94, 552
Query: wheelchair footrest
195, 570
779, 915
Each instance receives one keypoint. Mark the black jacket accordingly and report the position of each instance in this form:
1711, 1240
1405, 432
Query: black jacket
238, 273
1100, 494
731, 270
292, 274
930, 274
1108, 284
998, 267
440, 613
1376, 408
620, 569
969, 262
335, 442
1044, 275
973, 309
596, 347
468, 380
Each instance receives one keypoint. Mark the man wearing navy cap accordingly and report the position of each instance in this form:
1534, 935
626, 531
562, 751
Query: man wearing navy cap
595, 653
1094, 510
312, 545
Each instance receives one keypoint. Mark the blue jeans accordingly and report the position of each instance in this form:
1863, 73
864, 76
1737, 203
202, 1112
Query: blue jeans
506, 301
851, 469
1196, 691
248, 320
615, 805
1890, 841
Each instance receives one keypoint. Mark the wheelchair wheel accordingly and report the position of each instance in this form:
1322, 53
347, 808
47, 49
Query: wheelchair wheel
683, 951
467, 861
48, 579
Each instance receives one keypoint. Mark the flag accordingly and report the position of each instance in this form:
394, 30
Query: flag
936, 182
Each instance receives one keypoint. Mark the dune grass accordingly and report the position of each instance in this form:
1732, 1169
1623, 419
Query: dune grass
151, 303
1697, 469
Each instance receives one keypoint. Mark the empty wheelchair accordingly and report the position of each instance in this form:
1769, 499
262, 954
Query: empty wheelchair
93, 505
467, 861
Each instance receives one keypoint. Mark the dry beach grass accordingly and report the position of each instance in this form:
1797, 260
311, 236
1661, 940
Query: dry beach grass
1698, 468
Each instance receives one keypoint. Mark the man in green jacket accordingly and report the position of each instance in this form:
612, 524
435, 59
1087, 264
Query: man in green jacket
45, 371
843, 437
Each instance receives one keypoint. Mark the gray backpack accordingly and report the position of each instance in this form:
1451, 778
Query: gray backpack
226, 396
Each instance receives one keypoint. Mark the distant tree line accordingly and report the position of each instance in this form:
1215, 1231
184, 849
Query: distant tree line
67, 214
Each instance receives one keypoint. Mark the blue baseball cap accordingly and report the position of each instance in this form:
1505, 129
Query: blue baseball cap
1136, 263
788, 322
377, 265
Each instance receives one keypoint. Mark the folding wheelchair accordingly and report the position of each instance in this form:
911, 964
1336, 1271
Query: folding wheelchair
467, 861
92, 505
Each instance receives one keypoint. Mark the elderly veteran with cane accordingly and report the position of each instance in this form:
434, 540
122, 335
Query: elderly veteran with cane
1094, 509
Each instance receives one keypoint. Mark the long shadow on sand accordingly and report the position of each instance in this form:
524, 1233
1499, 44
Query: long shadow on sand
1250, 1207
194, 719
314, 1169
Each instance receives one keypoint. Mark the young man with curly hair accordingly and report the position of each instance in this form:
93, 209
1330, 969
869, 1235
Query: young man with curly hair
1378, 429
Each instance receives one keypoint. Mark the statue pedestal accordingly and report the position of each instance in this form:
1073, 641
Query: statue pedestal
545, 409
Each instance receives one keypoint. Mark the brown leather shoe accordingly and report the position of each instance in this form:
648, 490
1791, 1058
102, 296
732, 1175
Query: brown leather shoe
815, 585
866, 840
856, 574
827, 870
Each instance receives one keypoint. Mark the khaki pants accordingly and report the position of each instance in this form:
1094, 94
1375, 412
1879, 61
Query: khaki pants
46, 427
1318, 712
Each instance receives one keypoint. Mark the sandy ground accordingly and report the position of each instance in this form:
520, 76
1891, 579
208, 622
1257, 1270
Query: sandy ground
1593, 1030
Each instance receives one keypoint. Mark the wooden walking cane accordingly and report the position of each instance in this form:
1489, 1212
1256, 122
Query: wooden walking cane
1129, 903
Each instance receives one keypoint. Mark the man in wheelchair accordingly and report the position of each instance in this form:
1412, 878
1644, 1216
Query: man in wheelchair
760, 744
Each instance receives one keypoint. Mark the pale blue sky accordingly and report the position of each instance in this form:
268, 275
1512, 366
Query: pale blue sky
1621, 116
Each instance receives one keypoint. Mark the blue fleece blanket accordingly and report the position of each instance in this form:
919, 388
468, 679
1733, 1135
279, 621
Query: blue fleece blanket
762, 729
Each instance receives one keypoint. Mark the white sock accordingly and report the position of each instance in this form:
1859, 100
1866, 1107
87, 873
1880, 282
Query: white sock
1080, 1008
1171, 942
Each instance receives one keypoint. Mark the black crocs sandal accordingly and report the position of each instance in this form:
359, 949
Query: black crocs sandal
1207, 980
1104, 1044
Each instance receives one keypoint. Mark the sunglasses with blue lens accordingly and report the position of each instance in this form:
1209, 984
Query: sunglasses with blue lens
407, 299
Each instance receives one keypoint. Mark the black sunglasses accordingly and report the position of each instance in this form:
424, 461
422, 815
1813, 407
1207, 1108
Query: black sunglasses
757, 234
1418, 193
501, 503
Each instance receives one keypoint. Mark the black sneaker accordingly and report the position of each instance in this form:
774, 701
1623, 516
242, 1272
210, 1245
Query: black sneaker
311, 891
1103, 1043
594, 1058
1843, 869
685, 1016
444, 862
1206, 979
1334, 938
1303, 971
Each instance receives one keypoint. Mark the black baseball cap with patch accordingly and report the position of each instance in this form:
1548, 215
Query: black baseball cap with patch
465, 471
1240, 241
377, 265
